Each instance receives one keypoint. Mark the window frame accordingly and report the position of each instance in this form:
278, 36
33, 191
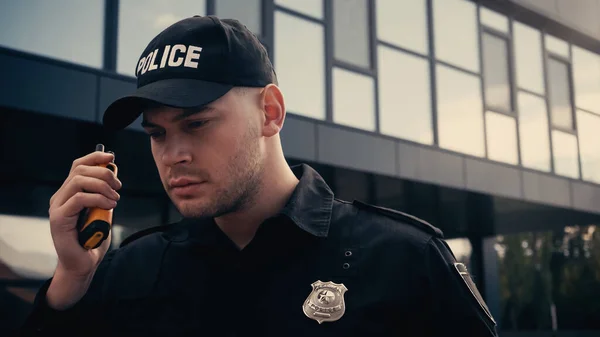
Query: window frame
550, 56
512, 81
512, 111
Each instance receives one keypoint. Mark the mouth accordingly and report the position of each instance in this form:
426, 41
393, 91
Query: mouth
183, 186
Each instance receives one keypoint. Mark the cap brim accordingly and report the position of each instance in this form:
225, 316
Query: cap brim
178, 93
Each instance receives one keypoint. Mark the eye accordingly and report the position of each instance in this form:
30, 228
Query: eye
156, 134
195, 124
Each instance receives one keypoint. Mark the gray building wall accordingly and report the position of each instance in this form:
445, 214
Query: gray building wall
581, 15
82, 93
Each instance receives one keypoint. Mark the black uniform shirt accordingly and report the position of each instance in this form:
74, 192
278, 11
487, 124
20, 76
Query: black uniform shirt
321, 267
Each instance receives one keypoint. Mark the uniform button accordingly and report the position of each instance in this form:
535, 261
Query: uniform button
346, 265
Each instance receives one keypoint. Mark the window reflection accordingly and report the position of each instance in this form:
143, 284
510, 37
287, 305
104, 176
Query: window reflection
528, 58
588, 128
312, 8
550, 278
351, 32
462, 249
460, 116
248, 12
301, 75
404, 96
138, 24
564, 149
501, 131
586, 72
68, 30
456, 33
403, 23
353, 99
496, 76
533, 132
560, 94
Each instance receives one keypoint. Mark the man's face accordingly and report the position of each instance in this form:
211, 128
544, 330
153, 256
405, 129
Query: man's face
209, 161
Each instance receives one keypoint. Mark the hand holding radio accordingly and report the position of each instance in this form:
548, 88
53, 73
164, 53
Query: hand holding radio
81, 216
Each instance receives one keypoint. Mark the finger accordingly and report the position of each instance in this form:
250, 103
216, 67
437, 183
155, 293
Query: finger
93, 159
100, 173
66, 191
82, 200
88, 185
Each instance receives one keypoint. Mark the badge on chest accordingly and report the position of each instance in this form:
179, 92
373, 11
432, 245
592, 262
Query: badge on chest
326, 302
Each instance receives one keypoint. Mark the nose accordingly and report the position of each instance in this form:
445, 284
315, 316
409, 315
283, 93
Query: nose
176, 152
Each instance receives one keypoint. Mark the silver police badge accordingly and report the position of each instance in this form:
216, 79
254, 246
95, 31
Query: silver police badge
326, 302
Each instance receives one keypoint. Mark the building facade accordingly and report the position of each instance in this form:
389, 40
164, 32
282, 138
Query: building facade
481, 117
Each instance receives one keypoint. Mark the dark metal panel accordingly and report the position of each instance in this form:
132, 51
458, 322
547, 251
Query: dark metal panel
357, 150
47, 88
442, 168
548, 7
586, 197
546, 189
408, 160
493, 178
111, 89
430, 165
298, 138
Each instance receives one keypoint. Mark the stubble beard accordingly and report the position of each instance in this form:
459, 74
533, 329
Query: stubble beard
241, 184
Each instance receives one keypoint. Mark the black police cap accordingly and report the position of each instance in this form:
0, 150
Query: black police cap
192, 63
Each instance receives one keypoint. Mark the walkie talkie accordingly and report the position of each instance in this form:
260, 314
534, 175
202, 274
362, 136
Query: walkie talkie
94, 224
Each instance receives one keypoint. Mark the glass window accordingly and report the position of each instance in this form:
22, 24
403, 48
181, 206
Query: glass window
533, 132
139, 24
351, 32
495, 73
353, 99
404, 96
312, 8
248, 12
26, 247
403, 23
462, 249
501, 132
545, 272
560, 94
68, 30
456, 33
588, 129
557, 46
528, 58
564, 149
301, 75
493, 19
586, 72
460, 116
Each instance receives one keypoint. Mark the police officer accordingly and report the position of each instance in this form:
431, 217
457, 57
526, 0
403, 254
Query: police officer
264, 249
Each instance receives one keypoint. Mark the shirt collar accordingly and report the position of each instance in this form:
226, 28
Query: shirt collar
311, 203
309, 208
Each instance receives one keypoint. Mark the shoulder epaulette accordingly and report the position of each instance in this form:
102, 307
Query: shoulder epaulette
144, 232
401, 216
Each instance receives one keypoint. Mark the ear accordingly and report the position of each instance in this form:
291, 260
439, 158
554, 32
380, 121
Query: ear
274, 110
